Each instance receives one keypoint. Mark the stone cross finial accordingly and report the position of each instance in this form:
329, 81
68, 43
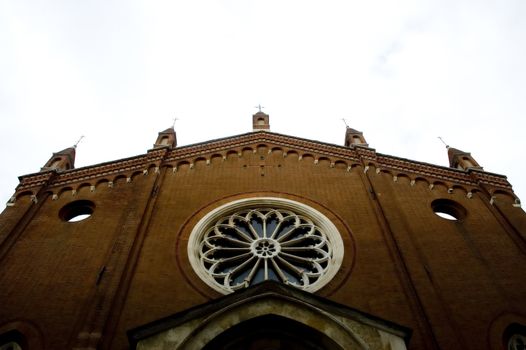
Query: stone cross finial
76, 143
445, 144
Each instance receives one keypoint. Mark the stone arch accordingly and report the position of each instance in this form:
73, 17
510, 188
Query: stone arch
440, 186
272, 330
84, 187
340, 164
63, 190
216, 158
200, 162
232, 154
119, 179
293, 155
403, 179
261, 305
502, 327
504, 196
102, 182
49, 193
371, 167
183, 165
25, 334
139, 173
459, 189
308, 158
324, 162
276, 154
247, 151
23, 195
387, 174
355, 167
262, 149
421, 181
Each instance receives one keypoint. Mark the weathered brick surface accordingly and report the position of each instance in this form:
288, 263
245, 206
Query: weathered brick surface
85, 284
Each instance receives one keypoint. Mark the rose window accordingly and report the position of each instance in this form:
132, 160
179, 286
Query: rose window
245, 246
517, 342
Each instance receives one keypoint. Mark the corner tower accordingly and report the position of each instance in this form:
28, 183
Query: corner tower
260, 121
63, 160
354, 138
461, 160
166, 138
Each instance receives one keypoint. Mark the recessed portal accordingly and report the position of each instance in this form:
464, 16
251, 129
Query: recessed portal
271, 332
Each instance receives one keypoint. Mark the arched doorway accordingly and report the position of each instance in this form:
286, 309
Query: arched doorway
271, 332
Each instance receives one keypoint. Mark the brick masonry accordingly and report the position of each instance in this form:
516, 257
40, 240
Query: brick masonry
456, 284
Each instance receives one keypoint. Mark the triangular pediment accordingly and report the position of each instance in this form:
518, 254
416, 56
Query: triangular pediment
271, 140
331, 155
197, 327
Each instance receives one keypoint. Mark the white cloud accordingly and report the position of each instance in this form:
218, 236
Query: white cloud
403, 72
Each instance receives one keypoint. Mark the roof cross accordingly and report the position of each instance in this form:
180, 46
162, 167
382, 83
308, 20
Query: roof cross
76, 143
445, 144
259, 107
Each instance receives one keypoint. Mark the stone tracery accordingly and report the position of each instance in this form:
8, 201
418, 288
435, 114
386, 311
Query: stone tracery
249, 241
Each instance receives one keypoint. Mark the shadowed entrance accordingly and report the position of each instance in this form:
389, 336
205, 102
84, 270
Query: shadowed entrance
271, 332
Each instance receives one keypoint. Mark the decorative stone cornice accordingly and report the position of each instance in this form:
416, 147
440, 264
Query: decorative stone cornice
356, 154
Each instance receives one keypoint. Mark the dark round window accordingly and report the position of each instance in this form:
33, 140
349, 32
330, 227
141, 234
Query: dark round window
448, 209
77, 211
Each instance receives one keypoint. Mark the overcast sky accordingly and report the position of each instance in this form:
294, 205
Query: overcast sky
403, 72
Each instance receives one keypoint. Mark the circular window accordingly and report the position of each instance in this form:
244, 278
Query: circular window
77, 211
517, 342
253, 240
448, 209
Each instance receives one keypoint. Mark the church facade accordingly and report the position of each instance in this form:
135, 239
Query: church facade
263, 241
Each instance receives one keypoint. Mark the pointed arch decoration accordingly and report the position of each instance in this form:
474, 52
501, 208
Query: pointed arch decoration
270, 313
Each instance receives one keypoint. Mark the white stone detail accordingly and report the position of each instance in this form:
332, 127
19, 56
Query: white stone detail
250, 240
517, 341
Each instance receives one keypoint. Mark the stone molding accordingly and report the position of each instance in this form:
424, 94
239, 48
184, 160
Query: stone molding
352, 156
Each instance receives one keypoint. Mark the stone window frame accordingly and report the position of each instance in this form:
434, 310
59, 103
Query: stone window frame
320, 220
